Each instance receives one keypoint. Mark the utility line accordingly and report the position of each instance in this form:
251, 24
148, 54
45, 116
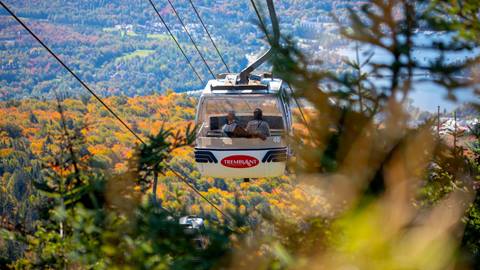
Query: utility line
183, 179
191, 39
209, 36
305, 122
72, 73
176, 41
262, 24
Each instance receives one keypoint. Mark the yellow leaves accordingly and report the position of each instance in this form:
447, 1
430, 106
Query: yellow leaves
30, 132
183, 152
36, 146
297, 194
4, 138
170, 174
123, 137
144, 125
72, 103
120, 150
121, 167
195, 209
161, 192
104, 137
129, 153
5, 152
99, 150
224, 195
84, 132
92, 107
148, 126
244, 185
277, 203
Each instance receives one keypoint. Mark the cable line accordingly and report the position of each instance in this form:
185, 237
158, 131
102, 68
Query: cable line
209, 36
262, 24
305, 122
72, 73
191, 39
176, 41
183, 179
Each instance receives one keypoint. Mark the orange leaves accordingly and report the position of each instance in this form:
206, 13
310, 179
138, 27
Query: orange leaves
144, 125
114, 146
161, 192
5, 152
36, 145
99, 150
195, 208
183, 152
121, 167
297, 194
104, 138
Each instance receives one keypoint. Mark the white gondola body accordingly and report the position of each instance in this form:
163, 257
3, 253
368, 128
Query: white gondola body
219, 156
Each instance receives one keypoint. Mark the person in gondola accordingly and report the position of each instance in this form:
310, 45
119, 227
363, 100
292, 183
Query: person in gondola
232, 129
231, 124
258, 128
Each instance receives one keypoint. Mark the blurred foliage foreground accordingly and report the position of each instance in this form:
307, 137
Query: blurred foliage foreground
370, 191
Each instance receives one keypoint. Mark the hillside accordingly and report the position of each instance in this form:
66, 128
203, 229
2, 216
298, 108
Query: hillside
28, 140
121, 47
361, 179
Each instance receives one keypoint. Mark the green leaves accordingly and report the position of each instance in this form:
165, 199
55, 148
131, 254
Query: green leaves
153, 156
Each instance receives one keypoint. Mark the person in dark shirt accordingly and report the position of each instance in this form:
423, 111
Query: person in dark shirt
258, 128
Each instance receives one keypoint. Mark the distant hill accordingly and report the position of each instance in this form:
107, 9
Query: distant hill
120, 47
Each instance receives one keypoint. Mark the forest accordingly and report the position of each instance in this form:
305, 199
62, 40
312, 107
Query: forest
364, 189
32, 129
104, 41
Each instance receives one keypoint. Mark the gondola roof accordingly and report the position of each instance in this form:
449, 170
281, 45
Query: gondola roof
228, 84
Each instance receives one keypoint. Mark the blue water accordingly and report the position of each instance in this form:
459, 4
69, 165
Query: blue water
426, 94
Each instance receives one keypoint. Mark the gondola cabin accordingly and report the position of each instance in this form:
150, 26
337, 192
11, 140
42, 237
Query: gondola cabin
218, 154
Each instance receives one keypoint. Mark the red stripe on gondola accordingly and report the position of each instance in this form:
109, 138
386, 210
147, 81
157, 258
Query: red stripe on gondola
240, 162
